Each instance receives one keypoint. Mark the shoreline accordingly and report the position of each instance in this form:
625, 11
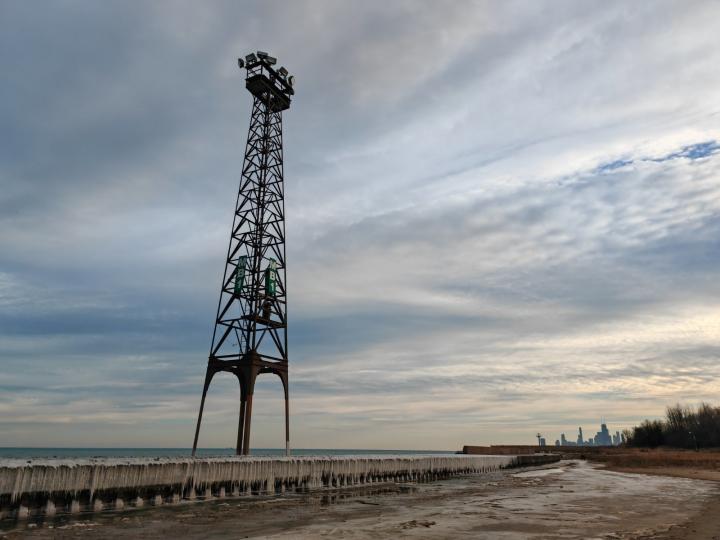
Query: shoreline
692, 473
704, 524
570, 499
51, 487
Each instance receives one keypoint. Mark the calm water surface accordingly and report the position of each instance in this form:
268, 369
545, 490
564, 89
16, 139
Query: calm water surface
20, 453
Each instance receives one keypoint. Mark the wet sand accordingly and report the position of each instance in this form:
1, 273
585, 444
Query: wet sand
703, 525
678, 472
575, 499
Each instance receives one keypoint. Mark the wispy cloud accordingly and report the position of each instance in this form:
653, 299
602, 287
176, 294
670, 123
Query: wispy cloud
501, 218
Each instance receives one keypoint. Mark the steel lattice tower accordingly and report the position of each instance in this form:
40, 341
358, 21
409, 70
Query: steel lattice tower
250, 335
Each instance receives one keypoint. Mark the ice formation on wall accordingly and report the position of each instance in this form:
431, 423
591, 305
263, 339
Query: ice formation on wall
65, 481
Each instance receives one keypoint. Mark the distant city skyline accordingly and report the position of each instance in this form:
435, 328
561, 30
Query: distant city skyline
601, 438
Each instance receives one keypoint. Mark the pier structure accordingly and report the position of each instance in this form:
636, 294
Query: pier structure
250, 334
45, 488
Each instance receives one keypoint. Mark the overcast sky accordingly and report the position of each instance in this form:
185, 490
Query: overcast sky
502, 218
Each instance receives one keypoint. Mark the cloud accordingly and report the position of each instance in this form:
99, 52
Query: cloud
501, 218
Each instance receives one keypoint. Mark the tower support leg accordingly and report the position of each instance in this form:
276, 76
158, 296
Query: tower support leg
248, 418
287, 415
241, 421
208, 377
249, 376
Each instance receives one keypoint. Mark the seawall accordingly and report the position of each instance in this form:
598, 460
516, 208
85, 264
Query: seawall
49, 487
571, 452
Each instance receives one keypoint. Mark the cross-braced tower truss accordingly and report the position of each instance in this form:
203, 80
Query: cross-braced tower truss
250, 335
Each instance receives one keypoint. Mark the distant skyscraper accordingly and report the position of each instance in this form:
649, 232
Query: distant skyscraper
602, 437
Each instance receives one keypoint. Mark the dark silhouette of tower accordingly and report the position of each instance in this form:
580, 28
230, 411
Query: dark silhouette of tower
250, 335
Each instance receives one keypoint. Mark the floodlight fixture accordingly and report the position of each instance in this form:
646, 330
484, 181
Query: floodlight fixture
262, 55
271, 60
283, 72
291, 80
250, 58
241, 63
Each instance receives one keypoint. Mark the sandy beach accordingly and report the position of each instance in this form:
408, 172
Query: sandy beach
574, 499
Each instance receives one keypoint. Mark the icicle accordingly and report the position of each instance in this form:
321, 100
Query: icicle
107, 477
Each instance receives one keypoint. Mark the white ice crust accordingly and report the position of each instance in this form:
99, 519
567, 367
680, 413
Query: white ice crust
66, 476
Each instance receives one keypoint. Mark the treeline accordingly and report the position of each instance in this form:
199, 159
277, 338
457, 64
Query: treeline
683, 427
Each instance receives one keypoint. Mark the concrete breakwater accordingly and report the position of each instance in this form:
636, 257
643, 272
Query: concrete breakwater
49, 487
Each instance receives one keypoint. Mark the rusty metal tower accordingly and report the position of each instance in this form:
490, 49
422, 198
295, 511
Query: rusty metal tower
250, 335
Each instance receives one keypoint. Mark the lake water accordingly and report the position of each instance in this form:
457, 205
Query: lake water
22, 453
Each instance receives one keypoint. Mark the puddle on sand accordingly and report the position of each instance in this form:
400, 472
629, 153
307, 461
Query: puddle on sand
538, 473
